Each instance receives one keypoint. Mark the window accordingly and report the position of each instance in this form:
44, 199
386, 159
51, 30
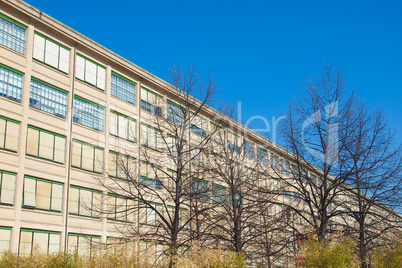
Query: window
45, 144
295, 171
262, 155
48, 98
151, 101
83, 244
151, 137
7, 188
123, 88
84, 202
250, 174
120, 208
199, 125
171, 180
87, 156
249, 149
9, 134
121, 166
218, 134
122, 126
51, 53
198, 156
42, 194
10, 83
12, 34
219, 194
150, 175
274, 162
88, 113
5, 238
175, 113
90, 72
174, 147
148, 215
234, 142
46, 241
263, 181
200, 189
285, 167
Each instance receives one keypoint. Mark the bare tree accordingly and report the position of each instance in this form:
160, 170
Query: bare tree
160, 185
376, 179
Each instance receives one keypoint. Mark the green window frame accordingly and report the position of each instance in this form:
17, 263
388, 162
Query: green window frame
121, 166
123, 88
5, 238
85, 202
46, 241
12, 34
249, 149
51, 53
7, 188
151, 102
151, 137
42, 194
147, 213
9, 134
87, 157
120, 208
83, 244
11, 82
46, 145
150, 175
90, 72
262, 156
88, 113
122, 126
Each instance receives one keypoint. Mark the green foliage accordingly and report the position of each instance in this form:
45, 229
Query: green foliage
390, 256
332, 254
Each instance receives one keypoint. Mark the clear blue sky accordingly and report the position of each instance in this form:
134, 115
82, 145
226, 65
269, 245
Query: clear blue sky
258, 51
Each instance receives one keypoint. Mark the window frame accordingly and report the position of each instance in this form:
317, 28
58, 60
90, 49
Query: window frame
32, 245
81, 158
51, 196
119, 92
94, 214
84, 78
19, 25
19, 79
129, 133
2, 172
96, 119
155, 108
147, 139
3, 140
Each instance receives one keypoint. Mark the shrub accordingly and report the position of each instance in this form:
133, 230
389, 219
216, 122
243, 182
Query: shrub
390, 256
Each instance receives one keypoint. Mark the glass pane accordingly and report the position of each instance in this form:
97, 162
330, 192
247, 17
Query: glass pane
57, 197
54, 243
113, 124
100, 82
12, 135
59, 149
80, 67
97, 199
39, 47
64, 63
112, 164
72, 243
74, 200
84, 245
29, 192
43, 190
90, 72
123, 124
46, 143
5, 236
51, 54
98, 160
87, 157
40, 241
25, 243
7, 188
2, 131
85, 203
32, 141
76, 154
131, 130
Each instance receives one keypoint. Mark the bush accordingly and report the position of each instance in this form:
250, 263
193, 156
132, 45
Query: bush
332, 254
390, 256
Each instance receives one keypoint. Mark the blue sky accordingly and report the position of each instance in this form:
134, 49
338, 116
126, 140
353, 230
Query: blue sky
259, 52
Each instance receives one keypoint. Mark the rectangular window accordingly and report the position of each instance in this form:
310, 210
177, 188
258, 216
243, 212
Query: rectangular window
151, 137
263, 181
85, 202
90, 72
123, 88
121, 166
10, 83
51, 53
174, 147
199, 125
9, 134
48, 98
120, 208
249, 149
234, 142
83, 244
171, 180
150, 175
219, 194
274, 162
88, 113
5, 238
42, 194
12, 34
218, 134
262, 156
175, 113
45, 144
7, 188
122, 126
151, 101
198, 156
285, 167
199, 189
87, 156
147, 213
46, 241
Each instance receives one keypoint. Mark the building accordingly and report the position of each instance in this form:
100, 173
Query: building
50, 152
